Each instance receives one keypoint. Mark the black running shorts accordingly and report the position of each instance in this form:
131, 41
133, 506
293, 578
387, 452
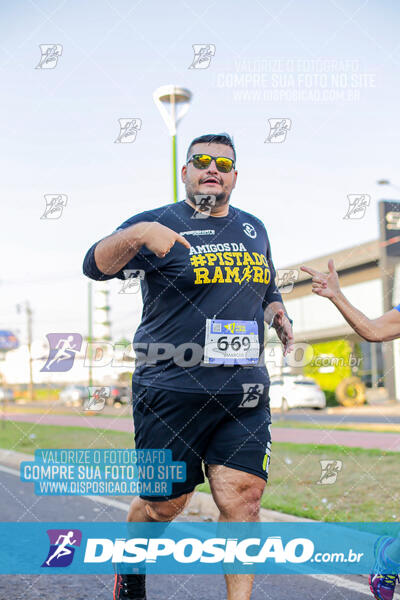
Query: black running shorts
220, 429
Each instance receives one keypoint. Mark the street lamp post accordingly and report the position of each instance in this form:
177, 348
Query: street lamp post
173, 103
387, 182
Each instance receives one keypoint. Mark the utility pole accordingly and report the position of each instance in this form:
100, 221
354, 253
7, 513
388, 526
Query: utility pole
28, 312
90, 332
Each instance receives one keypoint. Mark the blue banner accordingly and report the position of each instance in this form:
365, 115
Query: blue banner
191, 548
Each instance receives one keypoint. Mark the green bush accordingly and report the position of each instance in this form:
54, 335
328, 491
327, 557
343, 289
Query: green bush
330, 398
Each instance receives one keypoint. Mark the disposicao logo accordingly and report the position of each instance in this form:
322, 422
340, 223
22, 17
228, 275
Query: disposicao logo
190, 550
62, 547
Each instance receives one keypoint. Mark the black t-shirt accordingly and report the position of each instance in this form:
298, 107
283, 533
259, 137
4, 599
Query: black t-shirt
228, 273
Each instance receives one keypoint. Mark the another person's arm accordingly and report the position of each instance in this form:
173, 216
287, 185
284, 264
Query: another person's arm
382, 329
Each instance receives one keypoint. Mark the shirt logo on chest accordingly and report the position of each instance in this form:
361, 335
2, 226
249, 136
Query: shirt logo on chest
249, 230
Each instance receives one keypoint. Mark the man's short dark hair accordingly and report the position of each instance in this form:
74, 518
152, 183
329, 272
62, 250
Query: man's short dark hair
213, 138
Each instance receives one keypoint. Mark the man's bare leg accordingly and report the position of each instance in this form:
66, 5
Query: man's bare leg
237, 495
145, 511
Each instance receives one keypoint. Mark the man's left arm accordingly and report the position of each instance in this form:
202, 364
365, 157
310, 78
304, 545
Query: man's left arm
275, 314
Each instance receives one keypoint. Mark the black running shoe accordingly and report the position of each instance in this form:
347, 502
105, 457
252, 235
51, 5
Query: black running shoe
130, 587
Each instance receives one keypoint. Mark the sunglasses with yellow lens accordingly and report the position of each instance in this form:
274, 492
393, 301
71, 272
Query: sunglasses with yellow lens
203, 161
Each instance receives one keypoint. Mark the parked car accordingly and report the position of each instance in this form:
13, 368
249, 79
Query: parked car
119, 394
291, 391
74, 395
6, 394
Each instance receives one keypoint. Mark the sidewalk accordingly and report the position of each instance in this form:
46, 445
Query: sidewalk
389, 409
361, 439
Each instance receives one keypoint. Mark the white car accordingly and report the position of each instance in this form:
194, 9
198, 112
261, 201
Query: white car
73, 395
295, 392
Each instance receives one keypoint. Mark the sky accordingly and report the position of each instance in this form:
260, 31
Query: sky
330, 67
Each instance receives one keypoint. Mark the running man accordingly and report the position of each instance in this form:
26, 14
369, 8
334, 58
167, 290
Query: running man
62, 549
383, 329
195, 297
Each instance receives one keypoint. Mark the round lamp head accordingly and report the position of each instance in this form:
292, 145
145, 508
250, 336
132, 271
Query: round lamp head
167, 97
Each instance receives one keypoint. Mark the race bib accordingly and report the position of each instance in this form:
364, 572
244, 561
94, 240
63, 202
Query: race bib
230, 342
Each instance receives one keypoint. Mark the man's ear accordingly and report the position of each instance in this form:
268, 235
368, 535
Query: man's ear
234, 181
183, 173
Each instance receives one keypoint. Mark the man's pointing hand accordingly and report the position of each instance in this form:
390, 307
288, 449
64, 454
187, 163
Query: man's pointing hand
160, 239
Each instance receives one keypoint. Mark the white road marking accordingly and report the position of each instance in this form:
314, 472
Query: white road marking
101, 500
9, 470
108, 502
347, 584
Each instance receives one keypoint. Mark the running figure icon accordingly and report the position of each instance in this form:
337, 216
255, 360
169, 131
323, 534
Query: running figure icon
63, 347
62, 549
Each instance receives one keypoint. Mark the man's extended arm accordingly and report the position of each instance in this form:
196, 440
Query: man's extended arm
382, 329
275, 312
115, 251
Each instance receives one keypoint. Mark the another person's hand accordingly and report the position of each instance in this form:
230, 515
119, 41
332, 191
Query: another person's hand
284, 331
159, 239
326, 285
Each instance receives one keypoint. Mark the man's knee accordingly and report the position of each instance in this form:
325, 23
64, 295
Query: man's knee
167, 510
242, 503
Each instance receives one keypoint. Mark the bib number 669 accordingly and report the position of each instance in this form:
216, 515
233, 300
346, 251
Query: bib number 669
236, 343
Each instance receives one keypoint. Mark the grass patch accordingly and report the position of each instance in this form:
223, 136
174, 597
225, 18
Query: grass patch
17, 435
367, 487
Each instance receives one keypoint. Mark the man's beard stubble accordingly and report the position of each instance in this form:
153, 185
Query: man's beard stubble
220, 199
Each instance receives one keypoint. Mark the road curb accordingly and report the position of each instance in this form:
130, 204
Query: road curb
201, 504
383, 410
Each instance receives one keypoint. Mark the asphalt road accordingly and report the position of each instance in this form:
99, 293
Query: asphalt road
19, 503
